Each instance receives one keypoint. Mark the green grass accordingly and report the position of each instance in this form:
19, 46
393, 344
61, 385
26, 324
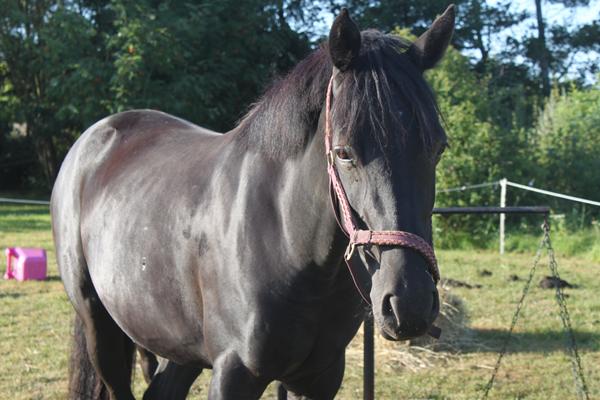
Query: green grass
35, 331
582, 243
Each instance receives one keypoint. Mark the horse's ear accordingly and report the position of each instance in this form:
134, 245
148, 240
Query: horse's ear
344, 41
430, 47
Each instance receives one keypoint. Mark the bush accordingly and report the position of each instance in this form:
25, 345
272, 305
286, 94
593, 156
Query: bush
480, 149
567, 134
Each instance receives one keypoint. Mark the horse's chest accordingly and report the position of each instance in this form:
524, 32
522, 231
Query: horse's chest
282, 342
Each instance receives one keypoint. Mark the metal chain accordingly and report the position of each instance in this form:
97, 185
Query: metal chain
577, 368
578, 375
515, 318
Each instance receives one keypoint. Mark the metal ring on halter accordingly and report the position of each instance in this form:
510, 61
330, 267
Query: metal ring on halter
349, 251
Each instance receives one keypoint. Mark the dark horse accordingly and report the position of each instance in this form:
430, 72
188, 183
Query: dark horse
222, 251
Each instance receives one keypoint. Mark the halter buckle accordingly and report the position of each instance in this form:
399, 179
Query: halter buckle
349, 251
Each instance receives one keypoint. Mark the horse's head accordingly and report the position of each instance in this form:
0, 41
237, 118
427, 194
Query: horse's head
388, 139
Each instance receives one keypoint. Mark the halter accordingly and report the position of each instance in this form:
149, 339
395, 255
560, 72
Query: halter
365, 237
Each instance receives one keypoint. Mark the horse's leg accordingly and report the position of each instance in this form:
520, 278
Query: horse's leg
102, 355
231, 380
110, 351
148, 363
320, 385
171, 381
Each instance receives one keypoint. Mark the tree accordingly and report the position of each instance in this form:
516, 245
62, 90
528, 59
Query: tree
202, 61
54, 72
567, 135
481, 24
477, 22
480, 150
386, 15
555, 46
67, 64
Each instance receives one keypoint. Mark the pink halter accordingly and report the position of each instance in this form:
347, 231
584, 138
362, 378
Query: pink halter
364, 237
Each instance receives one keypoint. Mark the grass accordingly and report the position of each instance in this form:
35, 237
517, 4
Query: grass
582, 243
35, 330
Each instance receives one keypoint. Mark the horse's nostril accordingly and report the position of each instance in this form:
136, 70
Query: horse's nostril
391, 311
386, 307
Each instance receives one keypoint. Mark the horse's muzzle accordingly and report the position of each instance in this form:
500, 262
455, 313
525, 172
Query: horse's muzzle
399, 322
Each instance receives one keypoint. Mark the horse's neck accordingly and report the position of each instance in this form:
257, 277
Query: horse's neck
308, 220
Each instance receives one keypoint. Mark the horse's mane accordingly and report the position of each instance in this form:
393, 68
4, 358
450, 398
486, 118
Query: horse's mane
287, 115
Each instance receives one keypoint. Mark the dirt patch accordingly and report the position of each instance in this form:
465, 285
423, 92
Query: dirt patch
551, 282
449, 282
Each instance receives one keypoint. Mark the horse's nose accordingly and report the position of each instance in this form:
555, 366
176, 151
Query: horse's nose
401, 321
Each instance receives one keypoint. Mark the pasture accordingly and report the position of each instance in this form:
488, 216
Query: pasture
35, 330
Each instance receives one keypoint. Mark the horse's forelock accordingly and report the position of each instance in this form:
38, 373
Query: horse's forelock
287, 115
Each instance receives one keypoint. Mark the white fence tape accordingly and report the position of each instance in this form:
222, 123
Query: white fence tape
524, 187
554, 194
22, 201
455, 189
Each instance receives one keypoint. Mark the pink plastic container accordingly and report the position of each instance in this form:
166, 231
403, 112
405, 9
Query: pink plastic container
25, 263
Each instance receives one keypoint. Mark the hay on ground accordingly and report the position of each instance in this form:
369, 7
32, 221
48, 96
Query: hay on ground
423, 352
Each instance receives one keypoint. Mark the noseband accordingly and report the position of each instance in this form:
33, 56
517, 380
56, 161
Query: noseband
366, 237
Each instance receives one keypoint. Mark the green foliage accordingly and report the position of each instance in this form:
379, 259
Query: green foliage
569, 150
389, 14
53, 74
204, 62
64, 65
480, 149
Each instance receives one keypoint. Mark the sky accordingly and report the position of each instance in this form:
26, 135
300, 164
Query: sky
553, 12
556, 14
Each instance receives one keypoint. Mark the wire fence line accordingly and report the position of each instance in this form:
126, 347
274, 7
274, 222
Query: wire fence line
523, 187
468, 187
553, 194
454, 189
23, 201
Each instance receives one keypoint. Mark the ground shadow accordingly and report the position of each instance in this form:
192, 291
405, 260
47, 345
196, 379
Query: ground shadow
524, 342
10, 295
27, 218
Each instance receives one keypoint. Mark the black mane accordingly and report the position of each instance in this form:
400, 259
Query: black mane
284, 119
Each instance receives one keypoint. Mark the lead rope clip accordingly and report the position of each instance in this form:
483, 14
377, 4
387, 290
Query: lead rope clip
349, 251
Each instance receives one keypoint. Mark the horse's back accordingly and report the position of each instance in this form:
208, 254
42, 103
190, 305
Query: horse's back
148, 124
125, 134
121, 137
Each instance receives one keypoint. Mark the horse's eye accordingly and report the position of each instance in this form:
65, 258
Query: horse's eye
344, 153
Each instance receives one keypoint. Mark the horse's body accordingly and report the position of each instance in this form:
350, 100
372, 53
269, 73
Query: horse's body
143, 234
212, 252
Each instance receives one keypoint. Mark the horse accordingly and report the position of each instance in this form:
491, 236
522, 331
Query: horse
223, 251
